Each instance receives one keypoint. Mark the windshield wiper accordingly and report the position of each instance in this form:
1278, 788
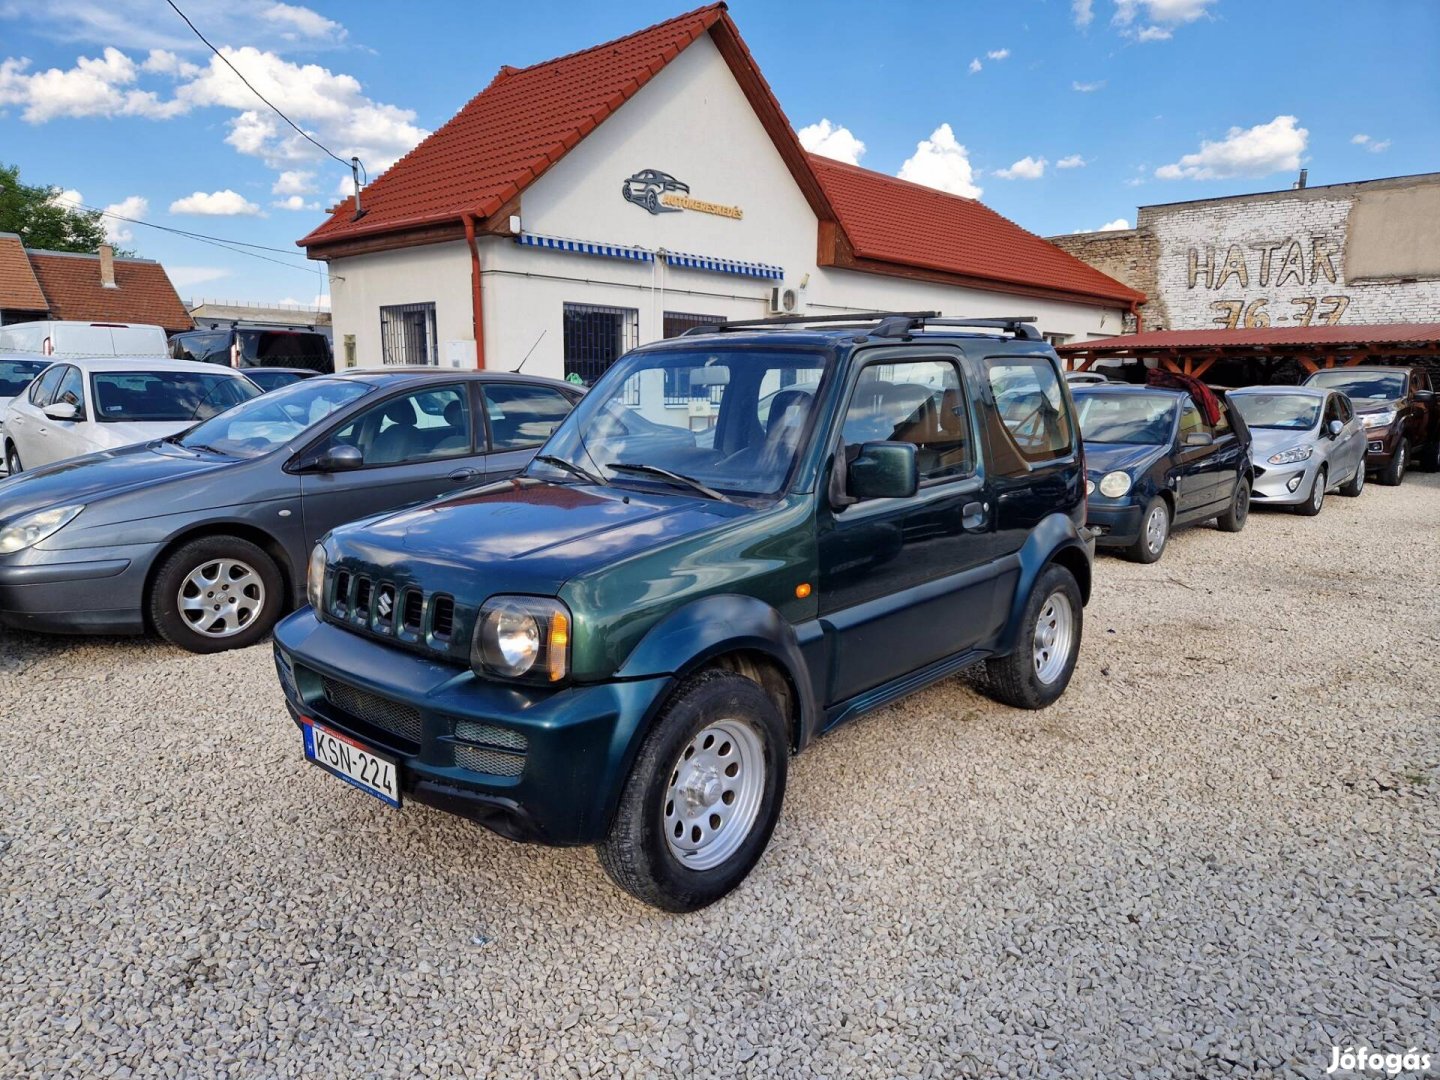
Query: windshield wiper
205, 447
571, 468
679, 478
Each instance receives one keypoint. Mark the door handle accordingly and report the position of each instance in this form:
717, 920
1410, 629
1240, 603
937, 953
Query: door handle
972, 515
461, 475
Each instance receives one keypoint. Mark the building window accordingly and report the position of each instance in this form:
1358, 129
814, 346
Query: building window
407, 334
595, 337
677, 380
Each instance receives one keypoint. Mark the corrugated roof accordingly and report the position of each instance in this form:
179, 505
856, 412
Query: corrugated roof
144, 295
1375, 334
19, 291
895, 221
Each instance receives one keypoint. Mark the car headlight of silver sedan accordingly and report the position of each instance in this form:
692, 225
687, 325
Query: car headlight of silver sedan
1378, 419
1293, 455
1115, 484
522, 637
29, 530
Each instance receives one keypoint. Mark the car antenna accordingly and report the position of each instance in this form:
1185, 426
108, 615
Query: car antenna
527, 355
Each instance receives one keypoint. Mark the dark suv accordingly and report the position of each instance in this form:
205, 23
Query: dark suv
1398, 409
624, 645
256, 347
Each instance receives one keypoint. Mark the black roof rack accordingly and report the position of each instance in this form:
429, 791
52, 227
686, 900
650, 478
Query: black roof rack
894, 324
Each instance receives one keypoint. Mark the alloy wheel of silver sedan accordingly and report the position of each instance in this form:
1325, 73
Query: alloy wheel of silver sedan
1053, 632
714, 793
221, 597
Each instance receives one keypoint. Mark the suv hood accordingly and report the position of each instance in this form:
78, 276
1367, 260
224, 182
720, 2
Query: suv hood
1374, 404
102, 475
521, 537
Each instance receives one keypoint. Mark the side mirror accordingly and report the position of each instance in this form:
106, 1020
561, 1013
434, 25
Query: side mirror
1424, 395
339, 458
1335, 427
62, 410
883, 470
1199, 438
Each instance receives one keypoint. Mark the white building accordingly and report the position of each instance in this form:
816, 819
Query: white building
621, 194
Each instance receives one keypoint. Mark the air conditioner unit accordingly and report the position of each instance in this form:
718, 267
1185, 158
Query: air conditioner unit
784, 301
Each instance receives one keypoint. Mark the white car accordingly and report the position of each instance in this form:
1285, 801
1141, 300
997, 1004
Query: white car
80, 406
17, 372
58, 338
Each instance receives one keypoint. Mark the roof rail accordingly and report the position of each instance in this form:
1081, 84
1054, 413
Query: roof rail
887, 324
1019, 325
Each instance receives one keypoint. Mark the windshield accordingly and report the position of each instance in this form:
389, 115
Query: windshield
1125, 418
1291, 412
731, 420
272, 378
1358, 383
164, 396
271, 421
16, 375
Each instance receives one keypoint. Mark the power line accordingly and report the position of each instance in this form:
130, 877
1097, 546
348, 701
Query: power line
235, 246
305, 134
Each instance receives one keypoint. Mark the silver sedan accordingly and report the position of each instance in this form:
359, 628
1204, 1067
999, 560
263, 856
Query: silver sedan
1305, 442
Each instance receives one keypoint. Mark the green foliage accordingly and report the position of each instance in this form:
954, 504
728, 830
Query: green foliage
43, 223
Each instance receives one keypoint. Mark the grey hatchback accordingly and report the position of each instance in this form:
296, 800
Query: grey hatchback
204, 535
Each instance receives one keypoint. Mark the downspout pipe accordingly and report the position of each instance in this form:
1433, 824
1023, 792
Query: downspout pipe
471, 220
1139, 319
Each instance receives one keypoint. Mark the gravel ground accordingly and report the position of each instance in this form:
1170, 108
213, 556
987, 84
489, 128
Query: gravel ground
1215, 856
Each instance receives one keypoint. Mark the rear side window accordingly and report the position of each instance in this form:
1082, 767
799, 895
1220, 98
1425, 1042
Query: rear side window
1034, 422
1191, 419
522, 415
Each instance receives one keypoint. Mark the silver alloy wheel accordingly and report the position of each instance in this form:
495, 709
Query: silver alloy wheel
1317, 496
1157, 525
1359, 478
714, 794
1054, 631
221, 597
1400, 461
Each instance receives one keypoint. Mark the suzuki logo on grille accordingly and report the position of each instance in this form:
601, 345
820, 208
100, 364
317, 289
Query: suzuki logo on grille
386, 603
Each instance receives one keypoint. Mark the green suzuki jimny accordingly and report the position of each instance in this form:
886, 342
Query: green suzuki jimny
740, 539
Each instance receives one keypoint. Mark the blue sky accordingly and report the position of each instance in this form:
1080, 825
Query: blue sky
1063, 115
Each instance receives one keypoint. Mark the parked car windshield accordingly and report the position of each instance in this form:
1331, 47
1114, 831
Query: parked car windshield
731, 422
1291, 412
1125, 418
165, 396
16, 375
1358, 383
266, 423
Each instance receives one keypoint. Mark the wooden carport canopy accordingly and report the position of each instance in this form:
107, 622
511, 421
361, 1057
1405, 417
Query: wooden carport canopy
1193, 352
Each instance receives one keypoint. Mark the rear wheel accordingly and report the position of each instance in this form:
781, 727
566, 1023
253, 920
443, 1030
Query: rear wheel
1039, 669
1154, 533
1356, 483
1393, 473
1233, 519
1311, 506
12, 460
1430, 456
216, 593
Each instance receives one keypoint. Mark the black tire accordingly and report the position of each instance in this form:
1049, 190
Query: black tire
1429, 460
637, 853
12, 460
1233, 519
1144, 549
1394, 473
1316, 499
1015, 679
264, 587
1356, 484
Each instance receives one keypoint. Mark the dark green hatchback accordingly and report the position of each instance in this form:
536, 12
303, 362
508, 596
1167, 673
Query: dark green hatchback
737, 541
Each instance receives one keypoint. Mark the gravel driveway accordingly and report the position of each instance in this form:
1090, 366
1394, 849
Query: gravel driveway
1216, 855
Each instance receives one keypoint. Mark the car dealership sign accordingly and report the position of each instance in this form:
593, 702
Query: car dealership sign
661, 193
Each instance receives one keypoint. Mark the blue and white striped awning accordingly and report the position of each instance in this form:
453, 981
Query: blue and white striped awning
638, 254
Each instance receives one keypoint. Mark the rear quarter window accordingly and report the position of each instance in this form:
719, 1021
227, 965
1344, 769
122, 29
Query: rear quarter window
1031, 423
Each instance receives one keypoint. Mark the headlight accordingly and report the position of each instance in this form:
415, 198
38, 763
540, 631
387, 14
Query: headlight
29, 530
522, 637
315, 578
1114, 484
1378, 419
1294, 454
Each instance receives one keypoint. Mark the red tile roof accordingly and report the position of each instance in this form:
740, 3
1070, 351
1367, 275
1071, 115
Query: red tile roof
904, 224
19, 291
1376, 334
72, 285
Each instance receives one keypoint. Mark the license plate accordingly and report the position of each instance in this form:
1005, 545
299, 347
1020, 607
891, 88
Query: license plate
352, 761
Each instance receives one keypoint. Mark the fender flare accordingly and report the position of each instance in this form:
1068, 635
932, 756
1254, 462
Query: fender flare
1054, 535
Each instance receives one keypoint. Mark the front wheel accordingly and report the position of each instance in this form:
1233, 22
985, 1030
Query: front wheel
216, 593
701, 802
1039, 669
1233, 519
1311, 506
1154, 533
1356, 483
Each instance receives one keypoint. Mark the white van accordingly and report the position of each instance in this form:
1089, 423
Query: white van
53, 337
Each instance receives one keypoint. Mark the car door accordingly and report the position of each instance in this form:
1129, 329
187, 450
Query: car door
519, 417
1197, 468
414, 445
69, 438
29, 427
904, 582
1348, 448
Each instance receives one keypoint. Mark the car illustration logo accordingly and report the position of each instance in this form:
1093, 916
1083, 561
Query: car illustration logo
646, 187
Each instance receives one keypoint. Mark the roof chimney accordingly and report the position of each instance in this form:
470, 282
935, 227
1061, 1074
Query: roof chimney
107, 267
1304, 176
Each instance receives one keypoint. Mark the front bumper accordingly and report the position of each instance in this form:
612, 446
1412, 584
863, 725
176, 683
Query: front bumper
1380, 446
1273, 482
1119, 518
76, 591
529, 763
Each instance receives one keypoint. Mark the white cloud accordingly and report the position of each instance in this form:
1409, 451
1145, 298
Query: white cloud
225, 203
295, 202
165, 62
1071, 161
117, 229
975, 65
69, 198
300, 22
1083, 12
998, 54
1379, 147
93, 87
1027, 168
294, 182
1257, 151
1154, 33
832, 141
1359, 140
1088, 87
182, 276
1162, 15
941, 162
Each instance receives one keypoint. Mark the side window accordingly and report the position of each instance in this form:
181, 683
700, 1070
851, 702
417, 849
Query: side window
44, 386
920, 402
522, 416
1343, 404
72, 390
1332, 409
1422, 379
1035, 424
1191, 419
1223, 427
424, 425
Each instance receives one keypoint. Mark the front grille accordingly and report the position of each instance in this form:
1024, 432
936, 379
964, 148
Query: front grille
360, 609
412, 612
392, 716
385, 609
500, 737
400, 613
342, 592
442, 622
